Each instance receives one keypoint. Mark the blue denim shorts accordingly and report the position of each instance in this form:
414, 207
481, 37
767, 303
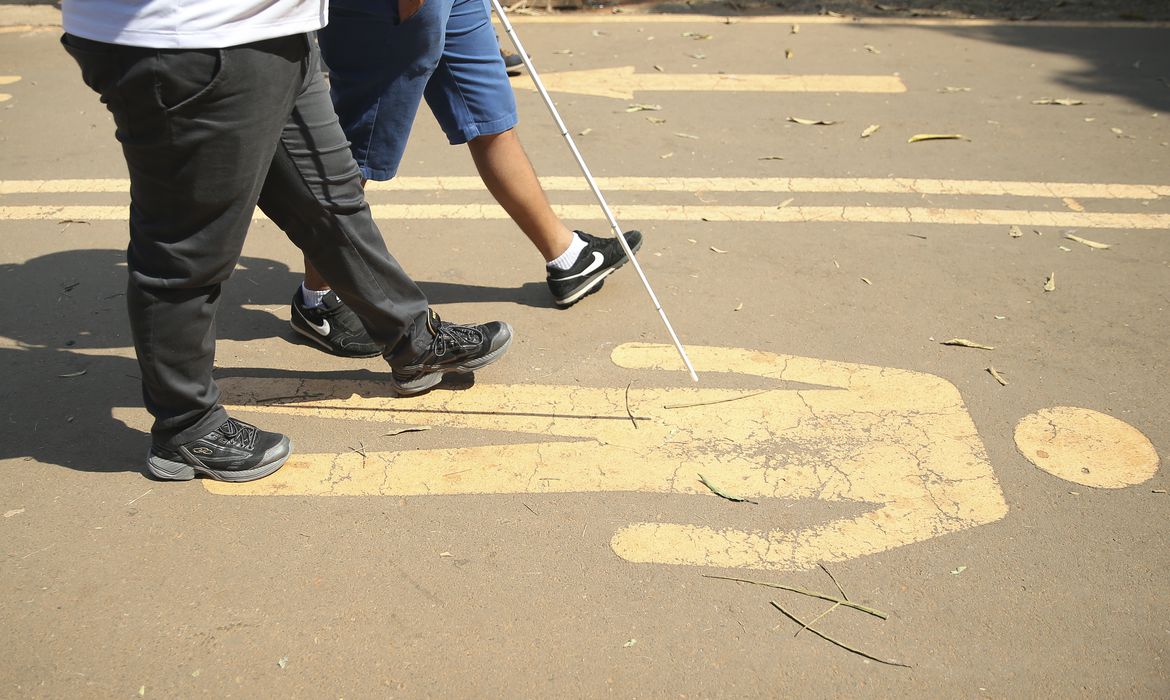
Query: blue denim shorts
380, 69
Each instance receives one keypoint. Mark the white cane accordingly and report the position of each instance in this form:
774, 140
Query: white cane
592, 184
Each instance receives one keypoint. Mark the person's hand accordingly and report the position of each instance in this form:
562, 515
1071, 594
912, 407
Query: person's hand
408, 9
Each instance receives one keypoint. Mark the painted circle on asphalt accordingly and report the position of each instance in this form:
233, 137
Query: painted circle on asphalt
1086, 447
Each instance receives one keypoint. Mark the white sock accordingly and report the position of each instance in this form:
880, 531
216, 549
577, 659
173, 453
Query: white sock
567, 258
310, 298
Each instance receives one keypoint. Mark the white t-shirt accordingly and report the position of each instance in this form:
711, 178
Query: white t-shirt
191, 24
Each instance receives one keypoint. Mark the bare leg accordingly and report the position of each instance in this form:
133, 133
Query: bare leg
505, 169
313, 279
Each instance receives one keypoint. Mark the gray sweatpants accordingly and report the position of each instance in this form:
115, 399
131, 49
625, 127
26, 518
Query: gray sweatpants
209, 134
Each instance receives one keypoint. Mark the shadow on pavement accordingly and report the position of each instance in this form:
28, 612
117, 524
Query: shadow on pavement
66, 357
1130, 62
533, 294
61, 378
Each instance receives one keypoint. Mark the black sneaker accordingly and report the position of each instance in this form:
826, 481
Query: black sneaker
333, 326
597, 261
512, 61
453, 348
236, 451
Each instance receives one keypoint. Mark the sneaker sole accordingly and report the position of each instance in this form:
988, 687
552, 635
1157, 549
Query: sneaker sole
170, 470
317, 339
431, 379
593, 284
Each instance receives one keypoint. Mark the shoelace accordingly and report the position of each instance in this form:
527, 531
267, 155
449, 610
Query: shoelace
454, 337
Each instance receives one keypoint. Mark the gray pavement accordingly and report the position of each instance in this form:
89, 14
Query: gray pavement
535, 542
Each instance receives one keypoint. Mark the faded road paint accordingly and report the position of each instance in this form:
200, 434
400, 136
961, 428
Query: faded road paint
1086, 447
783, 185
692, 213
710, 213
7, 80
898, 441
622, 82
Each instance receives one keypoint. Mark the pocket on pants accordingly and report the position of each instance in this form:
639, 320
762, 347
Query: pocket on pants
186, 77
101, 64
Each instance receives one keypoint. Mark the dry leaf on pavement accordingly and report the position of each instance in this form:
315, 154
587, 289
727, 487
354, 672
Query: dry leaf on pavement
870, 130
964, 343
937, 137
1085, 241
812, 122
409, 429
1063, 102
1050, 285
723, 494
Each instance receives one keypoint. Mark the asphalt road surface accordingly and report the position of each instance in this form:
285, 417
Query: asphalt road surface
565, 524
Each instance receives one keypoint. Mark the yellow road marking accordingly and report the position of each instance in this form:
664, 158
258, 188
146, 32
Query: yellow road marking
1086, 447
7, 80
28, 28
771, 214
622, 82
862, 185
53, 21
901, 442
851, 20
110, 185
697, 213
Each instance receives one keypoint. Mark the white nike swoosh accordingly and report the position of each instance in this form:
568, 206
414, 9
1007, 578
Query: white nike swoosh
598, 260
322, 328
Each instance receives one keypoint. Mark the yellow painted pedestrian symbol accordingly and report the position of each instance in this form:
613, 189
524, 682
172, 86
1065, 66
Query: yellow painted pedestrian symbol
897, 445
